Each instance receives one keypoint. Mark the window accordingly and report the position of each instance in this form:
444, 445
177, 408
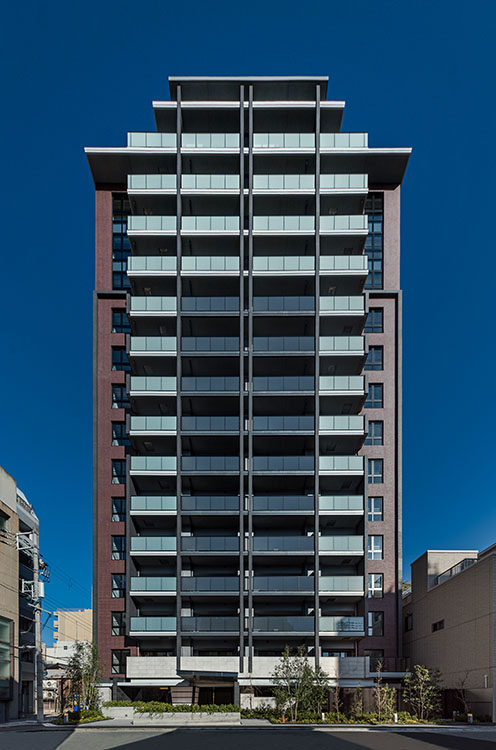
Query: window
439, 625
375, 434
376, 469
118, 509
118, 623
119, 434
4, 522
375, 358
376, 586
118, 547
408, 623
375, 396
5, 658
374, 207
120, 360
375, 320
375, 509
119, 657
119, 397
118, 585
375, 623
375, 655
375, 548
120, 322
121, 249
118, 471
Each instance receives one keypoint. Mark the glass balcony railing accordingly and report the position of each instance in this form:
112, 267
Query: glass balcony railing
284, 383
210, 463
283, 583
341, 543
153, 304
210, 263
153, 503
343, 140
341, 624
210, 624
210, 223
210, 304
284, 304
152, 263
354, 344
153, 544
210, 181
284, 140
214, 383
284, 263
153, 383
344, 181
210, 502
152, 624
342, 304
342, 383
341, 502
284, 182
285, 343
153, 583
210, 424
341, 583
153, 424
283, 543
283, 502
210, 343
210, 583
341, 463
151, 140
153, 463
151, 224
283, 424
210, 140
283, 463
210, 544
342, 423
343, 223
284, 223
152, 182
283, 624
153, 343
344, 263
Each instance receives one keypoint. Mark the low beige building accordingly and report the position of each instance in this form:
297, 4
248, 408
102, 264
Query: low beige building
449, 623
73, 625
9, 598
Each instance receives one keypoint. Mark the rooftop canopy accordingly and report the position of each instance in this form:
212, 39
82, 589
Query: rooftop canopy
265, 88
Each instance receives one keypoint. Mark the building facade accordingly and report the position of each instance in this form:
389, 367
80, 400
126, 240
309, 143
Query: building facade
247, 360
449, 624
72, 625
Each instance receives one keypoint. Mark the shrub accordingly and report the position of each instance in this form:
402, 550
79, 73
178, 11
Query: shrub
81, 717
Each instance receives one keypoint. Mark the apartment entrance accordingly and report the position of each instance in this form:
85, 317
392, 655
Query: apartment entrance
218, 694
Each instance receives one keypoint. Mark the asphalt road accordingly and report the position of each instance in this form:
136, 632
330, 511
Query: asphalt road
240, 739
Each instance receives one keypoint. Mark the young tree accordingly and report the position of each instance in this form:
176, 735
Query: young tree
319, 692
293, 680
357, 702
84, 673
421, 691
461, 694
336, 700
384, 696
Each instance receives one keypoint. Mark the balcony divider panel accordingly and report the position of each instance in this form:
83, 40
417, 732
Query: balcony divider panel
317, 373
250, 378
179, 378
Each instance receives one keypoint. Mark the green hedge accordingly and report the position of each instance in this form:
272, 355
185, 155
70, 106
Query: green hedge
81, 717
156, 707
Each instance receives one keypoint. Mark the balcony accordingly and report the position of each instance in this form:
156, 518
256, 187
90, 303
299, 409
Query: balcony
341, 584
154, 305
153, 464
354, 425
283, 503
203, 182
283, 383
339, 183
210, 344
341, 464
210, 624
155, 345
210, 544
286, 343
283, 584
283, 424
344, 224
218, 264
339, 305
143, 544
210, 304
284, 304
284, 182
346, 384
265, 464
153, 585
283, 544
151, 225
341, 503
281, 263
285, 224
214, 224
152, 140
347, 544
342, 625
151, 183
210, 503
149, 385
152, 625
218, 584
342, 344
286, 141
153, 504
153, 425
210, 141
210, 463
344, 264
341, 141
156, 265
283, 624
210, 424
210, 384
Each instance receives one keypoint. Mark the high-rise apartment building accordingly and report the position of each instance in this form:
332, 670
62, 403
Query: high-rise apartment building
247, 391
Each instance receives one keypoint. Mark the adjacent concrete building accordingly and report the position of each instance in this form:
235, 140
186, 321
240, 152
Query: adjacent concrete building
449, 623
247, 361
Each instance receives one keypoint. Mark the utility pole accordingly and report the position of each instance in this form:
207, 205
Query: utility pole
38, 663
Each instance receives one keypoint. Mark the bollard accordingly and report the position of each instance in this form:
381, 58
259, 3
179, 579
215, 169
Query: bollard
395, 718
283, 719
322, 716
66, 718
470, 718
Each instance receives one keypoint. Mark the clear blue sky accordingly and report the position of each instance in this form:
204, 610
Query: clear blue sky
417, 74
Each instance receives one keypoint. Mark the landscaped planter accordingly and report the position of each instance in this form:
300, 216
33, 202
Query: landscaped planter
186, 717
119, 712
